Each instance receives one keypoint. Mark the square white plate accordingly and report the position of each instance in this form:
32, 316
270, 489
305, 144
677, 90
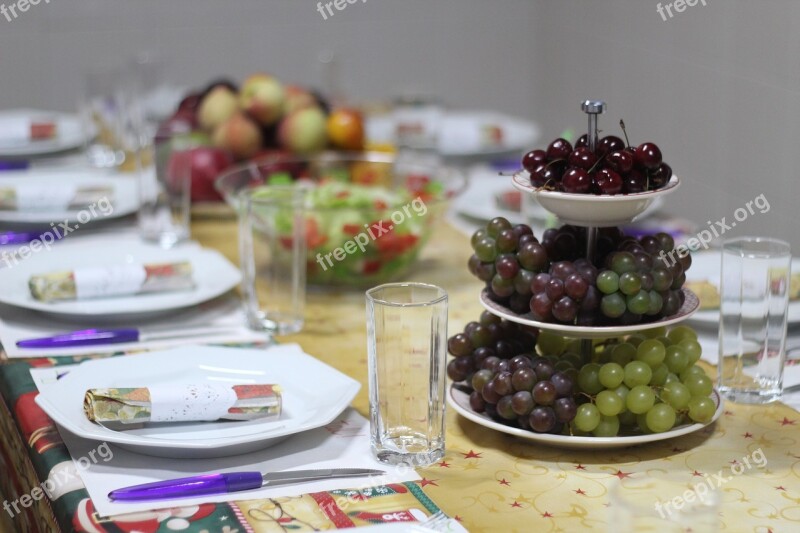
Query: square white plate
313, 395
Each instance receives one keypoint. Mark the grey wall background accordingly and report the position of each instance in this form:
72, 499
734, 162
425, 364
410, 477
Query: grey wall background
717, 86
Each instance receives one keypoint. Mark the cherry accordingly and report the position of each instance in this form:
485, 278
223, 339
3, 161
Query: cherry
634, 182
559, 149
608, 181
533, 159
582, 158
583, 141
537, 176
577, 180
620, 161
608, 144
548, 174
647, 155
660, 176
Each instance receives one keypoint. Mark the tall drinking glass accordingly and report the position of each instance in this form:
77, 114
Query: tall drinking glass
165, 191
754, 300
407, 347
272, 251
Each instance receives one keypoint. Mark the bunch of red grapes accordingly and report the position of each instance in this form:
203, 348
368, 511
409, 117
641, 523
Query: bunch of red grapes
496, 362
628, 281
612, 168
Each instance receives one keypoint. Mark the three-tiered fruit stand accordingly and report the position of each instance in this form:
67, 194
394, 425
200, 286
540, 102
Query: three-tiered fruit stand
592, 212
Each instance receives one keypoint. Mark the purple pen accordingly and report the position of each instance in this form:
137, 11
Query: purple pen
85, 337
189, 487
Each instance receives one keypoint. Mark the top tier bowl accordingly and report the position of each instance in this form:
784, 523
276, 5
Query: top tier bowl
592, 210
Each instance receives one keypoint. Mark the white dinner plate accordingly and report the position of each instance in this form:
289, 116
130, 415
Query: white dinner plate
70, 134
706, 267
314, 394
459, 131
459, 400
213, 275
688, 308
480, 199
124, 197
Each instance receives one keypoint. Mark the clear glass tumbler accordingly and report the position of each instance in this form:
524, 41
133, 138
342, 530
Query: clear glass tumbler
272, 252
165, 191
754, 299
407, 347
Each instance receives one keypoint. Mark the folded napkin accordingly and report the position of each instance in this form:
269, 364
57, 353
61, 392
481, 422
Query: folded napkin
35, 197
118, 280
15, 130
183, 403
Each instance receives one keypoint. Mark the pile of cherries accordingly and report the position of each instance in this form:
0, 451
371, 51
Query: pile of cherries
614, 167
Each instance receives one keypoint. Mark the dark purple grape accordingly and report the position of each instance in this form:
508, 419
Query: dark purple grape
544, 369
504, 366
481, 378
523, 379
565, 310
542, 419
563, 384
544, 393
476, 402
489, 394
506, 241
576, 287
650, 244
565, 409
671, 304
505, 409
507, 266
562, 270
522, 403
523, 422
519, 303
496, 225
502, 383
662, 279
554, 289
459, 368
686, 261
480, 355
586, 319
491, 363
485, 271
479, 337
532, 256
459, 345
541, 307
522, 229
474, 264
666, 240
591, 300
504, 349
520, 361
526, 239
539, 283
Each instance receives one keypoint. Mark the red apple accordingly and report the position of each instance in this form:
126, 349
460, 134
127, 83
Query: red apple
298, 98
205, 164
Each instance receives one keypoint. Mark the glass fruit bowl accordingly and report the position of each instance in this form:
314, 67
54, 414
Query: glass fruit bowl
370, 213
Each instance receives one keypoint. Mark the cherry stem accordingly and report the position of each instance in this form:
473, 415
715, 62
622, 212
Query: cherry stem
597, 163
624, 132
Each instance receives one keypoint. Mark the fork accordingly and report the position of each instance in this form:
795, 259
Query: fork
438, 522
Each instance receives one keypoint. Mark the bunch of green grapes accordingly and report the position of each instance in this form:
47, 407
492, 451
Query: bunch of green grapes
649, 382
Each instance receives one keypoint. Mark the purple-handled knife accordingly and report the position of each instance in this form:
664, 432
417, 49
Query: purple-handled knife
188, 487
94, 337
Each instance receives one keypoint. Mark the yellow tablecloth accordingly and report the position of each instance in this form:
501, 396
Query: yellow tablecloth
495, 482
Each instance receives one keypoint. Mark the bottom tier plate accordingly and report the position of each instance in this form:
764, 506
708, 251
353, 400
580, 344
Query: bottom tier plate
689, 307
459, 400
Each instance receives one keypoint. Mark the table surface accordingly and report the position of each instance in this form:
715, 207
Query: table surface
495, 482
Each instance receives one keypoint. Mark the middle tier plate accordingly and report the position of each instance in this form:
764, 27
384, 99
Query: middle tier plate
689, 307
